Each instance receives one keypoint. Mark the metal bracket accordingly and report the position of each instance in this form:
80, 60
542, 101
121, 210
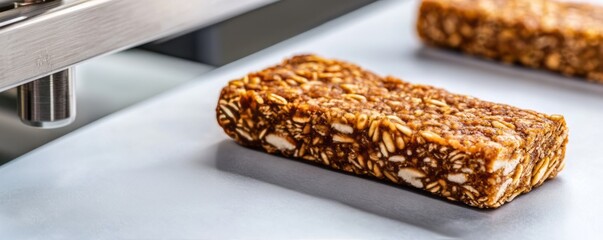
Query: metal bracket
49, 101
38, 38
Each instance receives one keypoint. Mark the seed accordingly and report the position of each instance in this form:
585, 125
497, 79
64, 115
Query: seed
361, 122
383, 149
244, 134
348, 88
227, 111
356, 97
342, 139
302, 149
334, 68
373, 127
255, 80
390, 176
349, 117
385, 122
456, 156
404, 129
397, 158
343, 128
431, 185
431, 136
249, 123
355, 164
370, 165
502, 125
395, 119
389, 143
279, 142
325, 158
376, 135
470, 188
497, 124
377, 171
550, 169
306, 129
336, 80
442, 182
257, 97
517, 174
539, 172
437, 103
291, 82
435, 189
223, 120
233, 106
301, 119
361, 160
399, 142
469, 195
263, 132
237, 83
299, 79
277, 99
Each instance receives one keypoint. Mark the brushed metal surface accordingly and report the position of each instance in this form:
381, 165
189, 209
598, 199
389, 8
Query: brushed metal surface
48, 102
78, 30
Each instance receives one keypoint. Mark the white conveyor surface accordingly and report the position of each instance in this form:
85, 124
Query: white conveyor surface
163, 169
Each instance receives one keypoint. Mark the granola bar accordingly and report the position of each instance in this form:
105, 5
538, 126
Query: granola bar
346, 118
559, 36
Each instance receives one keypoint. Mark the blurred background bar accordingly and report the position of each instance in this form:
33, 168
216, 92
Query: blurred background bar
107, 84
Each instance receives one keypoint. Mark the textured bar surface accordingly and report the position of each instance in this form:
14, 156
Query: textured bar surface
337, 114
559, 36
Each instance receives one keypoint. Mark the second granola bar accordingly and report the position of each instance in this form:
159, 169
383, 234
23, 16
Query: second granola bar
558, 36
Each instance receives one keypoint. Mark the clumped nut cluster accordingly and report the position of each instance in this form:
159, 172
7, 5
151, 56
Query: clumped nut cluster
337, 114
559, 36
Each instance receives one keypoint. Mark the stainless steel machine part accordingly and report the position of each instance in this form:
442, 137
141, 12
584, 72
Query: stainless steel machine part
41, 37
48, 102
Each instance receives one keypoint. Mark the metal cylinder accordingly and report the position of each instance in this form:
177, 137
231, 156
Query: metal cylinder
48, 102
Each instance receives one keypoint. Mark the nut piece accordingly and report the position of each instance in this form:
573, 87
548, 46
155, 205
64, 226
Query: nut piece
342, 139
397, 158
412, 176
459, 178
343, 128
279, 142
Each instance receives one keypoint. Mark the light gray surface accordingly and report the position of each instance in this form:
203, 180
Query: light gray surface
163, 169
